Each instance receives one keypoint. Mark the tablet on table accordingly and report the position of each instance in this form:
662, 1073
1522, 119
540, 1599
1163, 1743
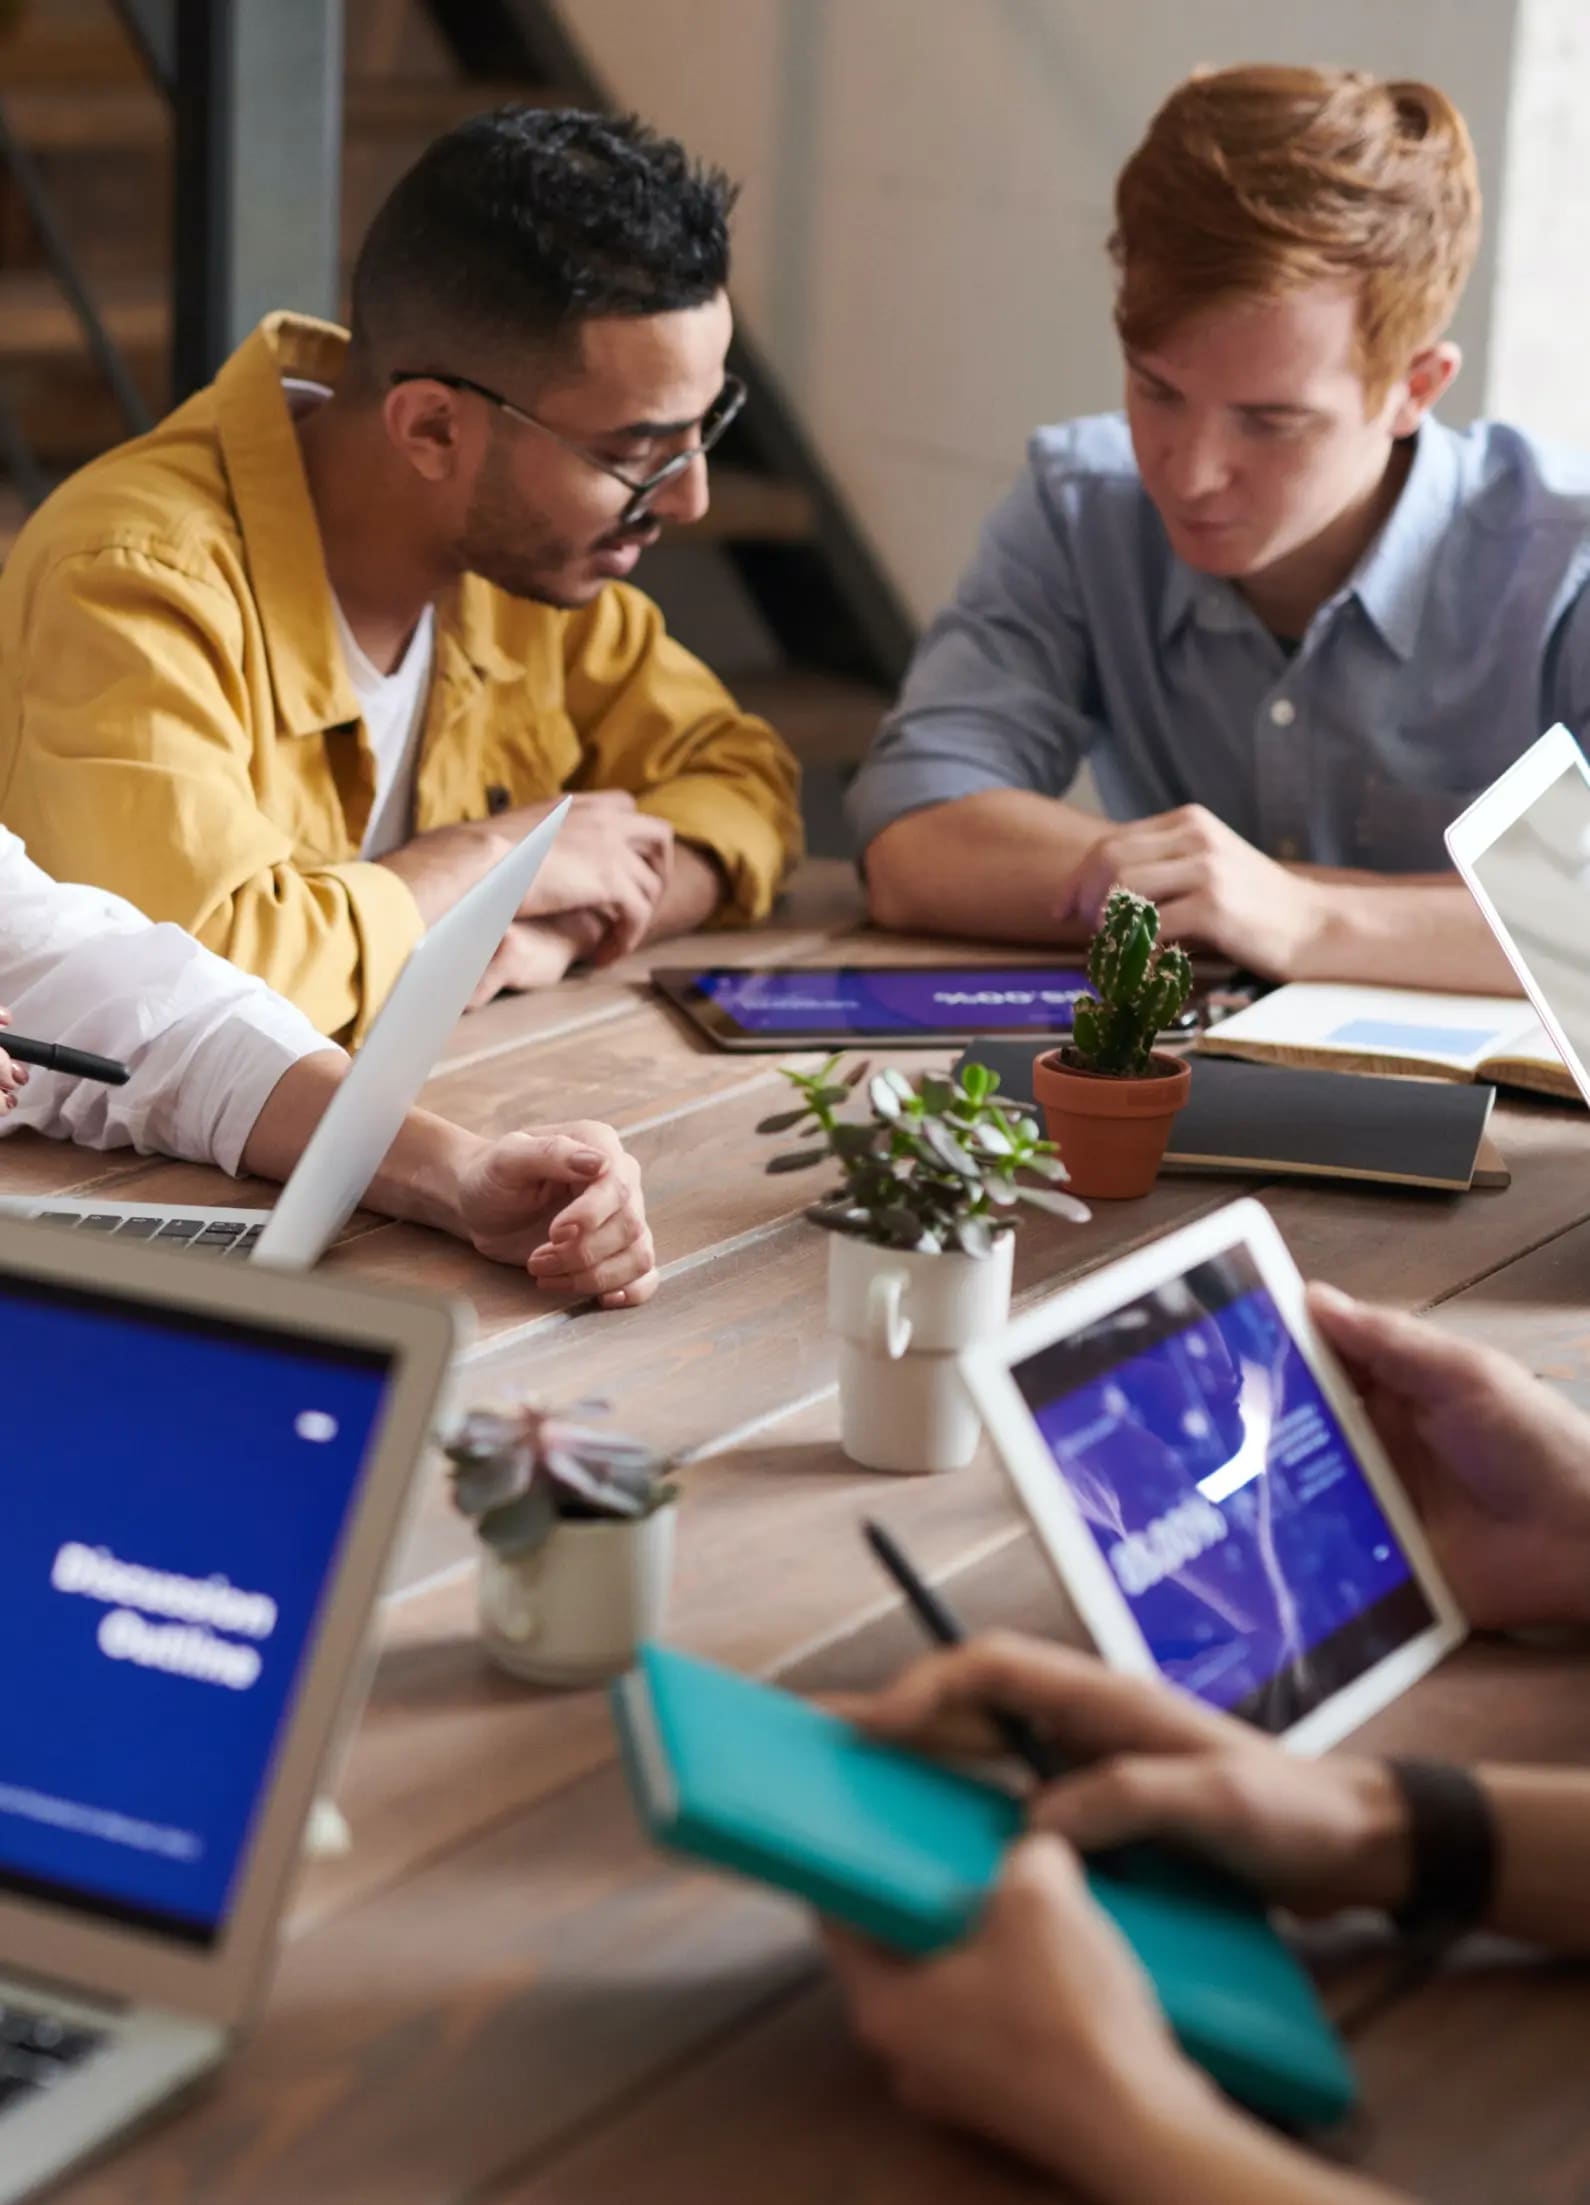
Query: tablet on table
773, 1007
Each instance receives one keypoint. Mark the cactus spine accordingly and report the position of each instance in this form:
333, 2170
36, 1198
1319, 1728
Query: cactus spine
1142, 988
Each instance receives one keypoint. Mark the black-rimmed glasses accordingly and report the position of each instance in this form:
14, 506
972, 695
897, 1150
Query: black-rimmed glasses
709, 428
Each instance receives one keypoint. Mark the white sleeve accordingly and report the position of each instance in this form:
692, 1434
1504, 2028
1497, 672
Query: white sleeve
205, 1043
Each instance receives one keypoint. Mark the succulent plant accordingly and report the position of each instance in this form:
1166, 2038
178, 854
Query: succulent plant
932, 1167
518, 1471
1142, 986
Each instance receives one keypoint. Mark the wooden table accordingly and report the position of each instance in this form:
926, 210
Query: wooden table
501, 1995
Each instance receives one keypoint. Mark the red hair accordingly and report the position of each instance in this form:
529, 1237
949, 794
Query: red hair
1255, 181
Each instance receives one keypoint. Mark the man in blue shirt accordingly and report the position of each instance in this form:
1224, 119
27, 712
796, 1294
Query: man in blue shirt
1292, 622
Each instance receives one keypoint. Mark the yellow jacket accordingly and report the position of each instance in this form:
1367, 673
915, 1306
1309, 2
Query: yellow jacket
177, 721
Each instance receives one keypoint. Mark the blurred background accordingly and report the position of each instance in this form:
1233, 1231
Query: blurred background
919, 280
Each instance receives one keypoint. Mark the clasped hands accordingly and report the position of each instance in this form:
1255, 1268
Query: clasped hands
595, 896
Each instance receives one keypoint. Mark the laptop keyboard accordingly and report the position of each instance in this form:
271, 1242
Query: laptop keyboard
212, 1238
37, 2050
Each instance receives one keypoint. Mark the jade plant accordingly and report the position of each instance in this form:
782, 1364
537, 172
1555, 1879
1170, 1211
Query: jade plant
1142, 986
933, 1166
518, 1472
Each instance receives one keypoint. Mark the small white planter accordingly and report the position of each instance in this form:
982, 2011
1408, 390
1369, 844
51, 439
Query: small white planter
901, 1319
573, 1611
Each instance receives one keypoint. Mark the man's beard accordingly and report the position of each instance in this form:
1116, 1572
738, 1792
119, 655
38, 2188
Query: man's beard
506, 547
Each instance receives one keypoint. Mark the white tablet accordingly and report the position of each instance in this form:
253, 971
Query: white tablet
1208, 1488
1524, 849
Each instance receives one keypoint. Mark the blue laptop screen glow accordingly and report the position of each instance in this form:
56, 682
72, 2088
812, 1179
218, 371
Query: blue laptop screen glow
1224, 1496
846, 1000
175, 1492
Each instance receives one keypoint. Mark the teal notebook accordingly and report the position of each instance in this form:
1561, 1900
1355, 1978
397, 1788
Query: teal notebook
754, 1779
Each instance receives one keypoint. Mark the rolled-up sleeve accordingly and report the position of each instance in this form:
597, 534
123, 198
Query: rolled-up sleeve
1000, 694
205, 1043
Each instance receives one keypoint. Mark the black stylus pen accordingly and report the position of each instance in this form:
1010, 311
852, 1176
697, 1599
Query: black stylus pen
939, 1623
54, 1056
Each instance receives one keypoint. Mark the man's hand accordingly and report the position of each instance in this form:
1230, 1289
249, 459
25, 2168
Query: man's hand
1496, 1463
609, 860
1039, 2030
1153, 1762
567, 1205
12, 1076
536, 953
1213, 889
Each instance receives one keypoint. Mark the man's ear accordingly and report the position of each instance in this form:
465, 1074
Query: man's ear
1430, 374
426, 423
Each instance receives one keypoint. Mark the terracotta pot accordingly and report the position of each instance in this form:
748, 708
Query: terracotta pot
1111, 1132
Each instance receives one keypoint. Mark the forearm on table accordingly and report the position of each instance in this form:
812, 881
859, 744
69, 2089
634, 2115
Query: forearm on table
1420, 931
1542, 1819
419, 1176
994, 865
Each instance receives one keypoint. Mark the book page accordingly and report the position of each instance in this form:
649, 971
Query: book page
1321, 1022
1531, 1059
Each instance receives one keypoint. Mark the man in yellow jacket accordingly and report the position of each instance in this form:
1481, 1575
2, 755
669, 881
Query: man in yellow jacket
296, 666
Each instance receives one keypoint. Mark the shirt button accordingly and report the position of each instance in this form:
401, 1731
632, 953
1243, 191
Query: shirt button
1283, 712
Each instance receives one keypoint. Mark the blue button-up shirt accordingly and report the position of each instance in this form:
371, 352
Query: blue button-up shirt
1077, 633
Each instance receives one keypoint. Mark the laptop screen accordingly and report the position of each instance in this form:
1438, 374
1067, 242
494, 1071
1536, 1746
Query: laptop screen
174, 1491
1537, 875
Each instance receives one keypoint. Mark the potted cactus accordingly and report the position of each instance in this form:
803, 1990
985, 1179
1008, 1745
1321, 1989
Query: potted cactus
576, 1533
1109, 1096
922, 1221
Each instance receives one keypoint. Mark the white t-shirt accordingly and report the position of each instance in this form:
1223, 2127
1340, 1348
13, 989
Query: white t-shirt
392, 706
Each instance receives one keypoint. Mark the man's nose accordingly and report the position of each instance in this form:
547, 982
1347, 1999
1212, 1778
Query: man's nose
1197, 464
687, 497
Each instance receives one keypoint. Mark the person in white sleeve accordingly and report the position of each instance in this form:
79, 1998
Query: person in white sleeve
225, 1072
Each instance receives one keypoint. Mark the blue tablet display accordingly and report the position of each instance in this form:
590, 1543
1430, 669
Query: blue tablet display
1224, 1495
894, 999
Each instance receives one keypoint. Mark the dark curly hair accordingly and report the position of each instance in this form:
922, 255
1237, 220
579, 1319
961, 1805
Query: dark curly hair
520, 224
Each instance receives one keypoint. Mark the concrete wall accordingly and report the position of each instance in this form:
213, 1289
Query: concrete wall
1540, 342
927, 185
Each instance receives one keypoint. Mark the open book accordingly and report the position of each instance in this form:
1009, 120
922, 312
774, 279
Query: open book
1361, 1029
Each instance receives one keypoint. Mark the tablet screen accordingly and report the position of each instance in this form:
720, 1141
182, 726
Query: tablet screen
840, 1000
1224, 1495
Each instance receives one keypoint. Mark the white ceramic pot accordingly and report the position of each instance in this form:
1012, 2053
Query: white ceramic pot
901, 1319
573, 1611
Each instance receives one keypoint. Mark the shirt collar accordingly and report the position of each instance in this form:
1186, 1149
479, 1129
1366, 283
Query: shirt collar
281, 536
1392, 579
1204, 598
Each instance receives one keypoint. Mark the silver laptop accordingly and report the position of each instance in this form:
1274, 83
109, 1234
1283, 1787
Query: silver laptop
183, 1603
363, 1117
1524, 849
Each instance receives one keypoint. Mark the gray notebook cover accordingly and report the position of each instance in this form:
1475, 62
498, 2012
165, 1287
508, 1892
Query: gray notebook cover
1276, 1118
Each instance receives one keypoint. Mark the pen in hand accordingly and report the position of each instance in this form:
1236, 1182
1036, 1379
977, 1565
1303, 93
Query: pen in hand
55, 1056
937, 1620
